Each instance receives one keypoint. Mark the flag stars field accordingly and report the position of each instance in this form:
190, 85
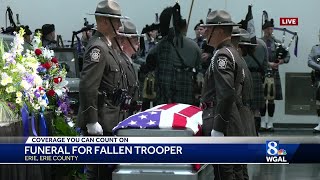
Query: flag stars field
133, 123
153, 112
143, 117
151, 122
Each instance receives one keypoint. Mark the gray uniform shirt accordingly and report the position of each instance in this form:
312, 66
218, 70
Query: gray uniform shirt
314, 58
102, 72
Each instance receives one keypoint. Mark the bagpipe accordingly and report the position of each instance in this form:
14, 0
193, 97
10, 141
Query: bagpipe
87, 27
13, 26
281, 49
76, 41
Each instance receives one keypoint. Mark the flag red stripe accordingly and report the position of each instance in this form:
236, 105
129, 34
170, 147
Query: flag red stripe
179, 121
167, 106
190, 111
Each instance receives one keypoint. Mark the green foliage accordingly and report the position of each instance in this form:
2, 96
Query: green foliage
61, 128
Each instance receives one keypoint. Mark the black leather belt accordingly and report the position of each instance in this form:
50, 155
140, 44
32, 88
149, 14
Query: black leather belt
206, 105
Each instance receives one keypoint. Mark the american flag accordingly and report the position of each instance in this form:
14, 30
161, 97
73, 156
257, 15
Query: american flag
172, 116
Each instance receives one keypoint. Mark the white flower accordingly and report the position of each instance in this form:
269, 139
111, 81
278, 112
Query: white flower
36, 41
36, 106
47, 85
43, 103
6, 55
47, 53
31, 62
38, 80
18, 101
18, 41
5, 79
31, 94
21, 68
25, 85
10, 89
19, 94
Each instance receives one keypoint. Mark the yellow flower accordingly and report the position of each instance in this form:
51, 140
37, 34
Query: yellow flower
5, 79
36, 106
19, 94
10, 89
21, 68
18, 101
3, 82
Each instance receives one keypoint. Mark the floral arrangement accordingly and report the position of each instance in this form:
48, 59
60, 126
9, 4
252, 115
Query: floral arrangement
33, 82
20, 82
53, 77
32, 78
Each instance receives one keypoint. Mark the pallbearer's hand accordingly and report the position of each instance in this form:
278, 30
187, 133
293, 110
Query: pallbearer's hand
216, 133
94, 129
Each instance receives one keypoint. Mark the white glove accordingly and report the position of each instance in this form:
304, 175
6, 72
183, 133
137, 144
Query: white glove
216, 133
94, 129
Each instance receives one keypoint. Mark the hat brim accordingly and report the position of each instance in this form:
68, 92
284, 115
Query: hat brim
110, 15
238, 35
247, 44
221, 24
130, 35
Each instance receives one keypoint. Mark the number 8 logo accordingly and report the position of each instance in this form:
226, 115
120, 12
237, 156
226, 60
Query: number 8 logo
272, 150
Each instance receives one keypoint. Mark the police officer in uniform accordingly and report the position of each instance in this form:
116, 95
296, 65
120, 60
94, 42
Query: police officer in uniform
101, 83
222, 82
256, 59
241, 40
314, 63
129, 40
278, 55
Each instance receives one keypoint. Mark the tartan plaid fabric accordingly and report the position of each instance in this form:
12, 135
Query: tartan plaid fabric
272, 56
258, 96
171, 84
277, 82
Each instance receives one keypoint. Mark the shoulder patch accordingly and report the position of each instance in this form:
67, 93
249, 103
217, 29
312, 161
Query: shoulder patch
95, 55
222, 62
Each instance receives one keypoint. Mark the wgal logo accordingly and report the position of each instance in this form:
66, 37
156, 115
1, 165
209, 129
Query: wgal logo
274, 154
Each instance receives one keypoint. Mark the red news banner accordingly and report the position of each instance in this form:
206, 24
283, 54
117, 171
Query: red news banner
289, 21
